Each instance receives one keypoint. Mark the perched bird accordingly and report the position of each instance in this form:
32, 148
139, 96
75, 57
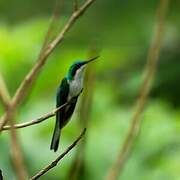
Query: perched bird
69, 90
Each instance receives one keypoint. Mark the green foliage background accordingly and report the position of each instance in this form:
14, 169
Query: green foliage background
122, 30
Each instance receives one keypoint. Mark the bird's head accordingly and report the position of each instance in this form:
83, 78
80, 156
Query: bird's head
77, 68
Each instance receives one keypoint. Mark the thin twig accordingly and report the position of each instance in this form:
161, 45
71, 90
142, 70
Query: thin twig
34, 72
37, 120
150, 69
57, 160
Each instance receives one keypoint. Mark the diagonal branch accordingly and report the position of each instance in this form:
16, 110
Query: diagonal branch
150, 69
57, 160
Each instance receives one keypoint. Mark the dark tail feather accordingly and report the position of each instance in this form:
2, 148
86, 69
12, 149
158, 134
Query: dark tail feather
56, 137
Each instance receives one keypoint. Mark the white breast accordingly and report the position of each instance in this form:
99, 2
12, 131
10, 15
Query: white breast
75, 87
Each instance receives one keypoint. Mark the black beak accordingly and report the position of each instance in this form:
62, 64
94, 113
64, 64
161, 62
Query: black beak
90, 60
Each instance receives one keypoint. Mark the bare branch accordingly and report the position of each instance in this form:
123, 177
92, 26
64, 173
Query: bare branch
57, 160
34, 72
38, 120
150, 69
4, 94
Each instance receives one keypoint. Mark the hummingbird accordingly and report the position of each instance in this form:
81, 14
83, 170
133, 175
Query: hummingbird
69, 90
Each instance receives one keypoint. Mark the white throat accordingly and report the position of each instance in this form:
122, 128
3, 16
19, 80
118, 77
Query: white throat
80, 73
76, 85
